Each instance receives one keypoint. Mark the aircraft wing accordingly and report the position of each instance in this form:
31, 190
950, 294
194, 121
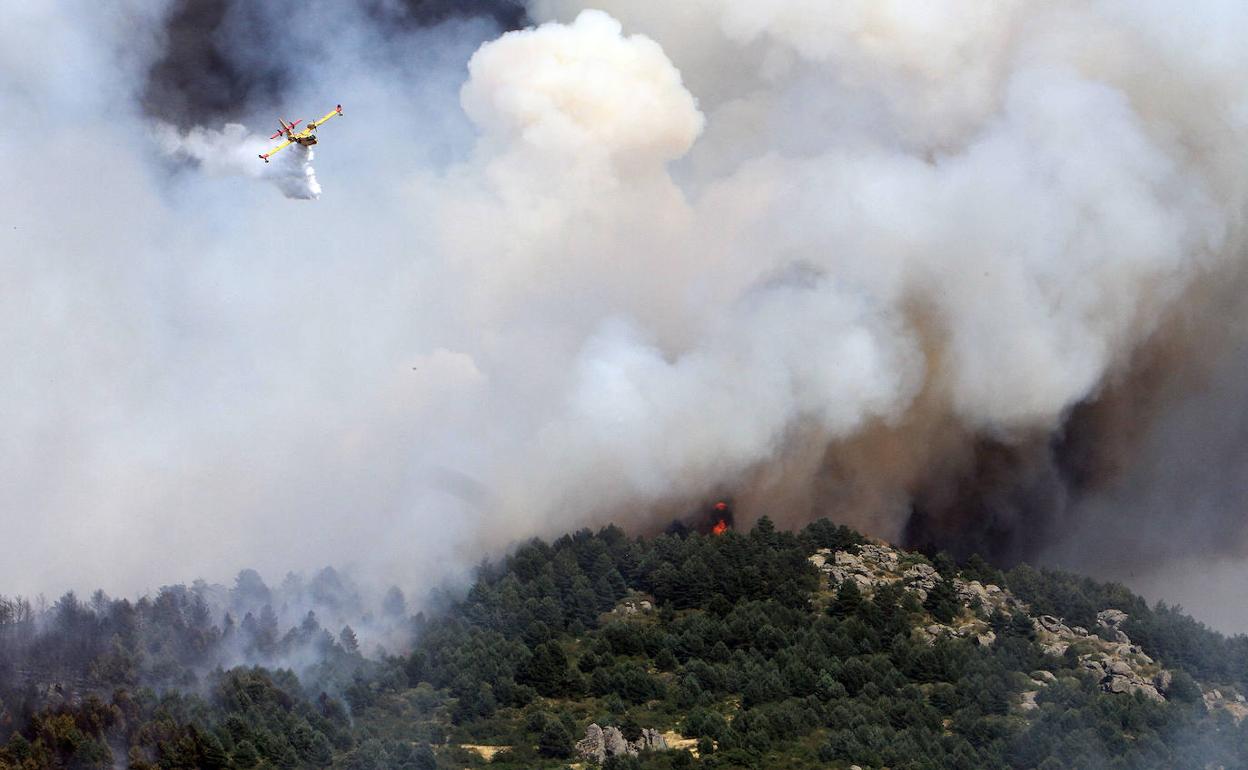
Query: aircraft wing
275, 150
317, 123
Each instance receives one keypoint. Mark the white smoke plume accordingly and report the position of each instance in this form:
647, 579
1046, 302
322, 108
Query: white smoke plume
233, 151
804, 253
1035, 253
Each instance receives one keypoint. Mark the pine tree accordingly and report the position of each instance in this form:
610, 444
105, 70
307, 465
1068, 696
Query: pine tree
848, 600
942, 601
349, 641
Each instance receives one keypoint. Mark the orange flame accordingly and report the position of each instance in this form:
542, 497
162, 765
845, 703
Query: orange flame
720, 527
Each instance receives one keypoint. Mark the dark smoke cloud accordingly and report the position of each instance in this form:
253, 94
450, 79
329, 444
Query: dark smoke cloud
1145, 482
506, 14
222, 57
199, 79
1012, 498
1005, 505
1176, 487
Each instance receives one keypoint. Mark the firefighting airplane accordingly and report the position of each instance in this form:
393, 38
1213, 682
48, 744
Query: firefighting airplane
306, 137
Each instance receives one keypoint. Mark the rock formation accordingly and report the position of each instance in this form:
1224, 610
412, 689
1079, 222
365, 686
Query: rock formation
1119, 666
593, 747
601, 743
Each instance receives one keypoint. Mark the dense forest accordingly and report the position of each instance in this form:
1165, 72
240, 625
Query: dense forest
736, 646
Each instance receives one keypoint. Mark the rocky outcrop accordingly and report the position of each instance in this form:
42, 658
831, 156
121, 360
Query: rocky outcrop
1053, 635
1106, 653
633, 607
600, 743
1116, 675
872, 566
1231, 702
613, 741
650, 740
1108, 624
920, 579
1119, 666
877, 565
1052, 625
976, 631
593, 747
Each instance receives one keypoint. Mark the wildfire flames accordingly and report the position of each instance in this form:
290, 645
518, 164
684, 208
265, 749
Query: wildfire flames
721, 518
708, 519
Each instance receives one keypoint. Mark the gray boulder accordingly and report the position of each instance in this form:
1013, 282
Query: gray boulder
1117, 684
613, 741
650, 740
1109, 622
1028, 701
1111, 618
1057, 648
921, 577
602, 743
593, 747
1053, 625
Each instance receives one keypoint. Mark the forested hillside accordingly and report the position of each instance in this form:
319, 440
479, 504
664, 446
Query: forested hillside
764, 649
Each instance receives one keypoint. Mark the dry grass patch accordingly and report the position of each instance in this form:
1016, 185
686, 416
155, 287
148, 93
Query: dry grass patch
485, 752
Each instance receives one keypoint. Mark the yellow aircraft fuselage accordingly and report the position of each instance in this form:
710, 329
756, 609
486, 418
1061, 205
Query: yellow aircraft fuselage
306, 138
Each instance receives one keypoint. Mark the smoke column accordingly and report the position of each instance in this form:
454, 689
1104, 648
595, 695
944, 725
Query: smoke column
957, 275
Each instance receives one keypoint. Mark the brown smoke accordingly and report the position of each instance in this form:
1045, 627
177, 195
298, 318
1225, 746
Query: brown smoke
926, 481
